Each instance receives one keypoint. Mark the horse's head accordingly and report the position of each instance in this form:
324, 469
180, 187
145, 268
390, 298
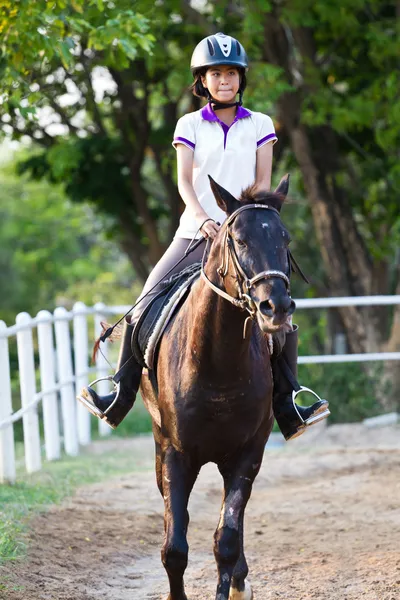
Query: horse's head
253, 241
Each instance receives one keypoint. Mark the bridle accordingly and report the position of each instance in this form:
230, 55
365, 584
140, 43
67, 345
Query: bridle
244, 300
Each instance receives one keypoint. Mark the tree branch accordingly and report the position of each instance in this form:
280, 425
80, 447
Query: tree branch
91, 100
194, 17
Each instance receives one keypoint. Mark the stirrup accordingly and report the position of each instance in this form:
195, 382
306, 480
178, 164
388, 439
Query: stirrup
90, 405
322, 413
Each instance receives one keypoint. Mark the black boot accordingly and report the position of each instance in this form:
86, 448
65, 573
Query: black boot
114, 407
291, 418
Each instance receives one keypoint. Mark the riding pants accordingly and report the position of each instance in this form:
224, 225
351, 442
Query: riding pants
171, 256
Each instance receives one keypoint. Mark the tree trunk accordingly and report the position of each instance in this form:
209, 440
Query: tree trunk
134, 126
133, 248
349, 267
345, 256
390, 396
155, 248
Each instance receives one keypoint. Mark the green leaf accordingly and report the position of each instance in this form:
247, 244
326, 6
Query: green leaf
65, 54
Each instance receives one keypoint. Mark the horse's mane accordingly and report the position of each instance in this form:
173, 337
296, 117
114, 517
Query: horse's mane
250, 195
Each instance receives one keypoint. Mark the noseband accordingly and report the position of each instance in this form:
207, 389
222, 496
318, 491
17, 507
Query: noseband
244, 301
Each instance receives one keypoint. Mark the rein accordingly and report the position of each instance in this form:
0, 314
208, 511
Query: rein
244, 301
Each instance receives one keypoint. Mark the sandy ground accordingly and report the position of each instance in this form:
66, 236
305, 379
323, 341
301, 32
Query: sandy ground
323, 523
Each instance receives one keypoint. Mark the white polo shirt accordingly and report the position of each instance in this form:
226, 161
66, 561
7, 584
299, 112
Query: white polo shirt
228, 154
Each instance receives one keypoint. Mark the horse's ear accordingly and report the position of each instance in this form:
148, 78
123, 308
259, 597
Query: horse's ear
225, 200
283, 186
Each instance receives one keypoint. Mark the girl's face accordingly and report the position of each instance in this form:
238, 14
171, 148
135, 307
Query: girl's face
223, 82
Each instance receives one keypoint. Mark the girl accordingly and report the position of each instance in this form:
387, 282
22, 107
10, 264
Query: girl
233, 145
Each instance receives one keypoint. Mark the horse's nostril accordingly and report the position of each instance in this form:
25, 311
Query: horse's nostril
270, 308
267, 308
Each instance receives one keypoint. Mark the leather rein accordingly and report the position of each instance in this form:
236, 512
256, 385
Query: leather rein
244, 301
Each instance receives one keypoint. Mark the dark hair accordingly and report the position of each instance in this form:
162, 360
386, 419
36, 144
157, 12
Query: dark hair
197, 88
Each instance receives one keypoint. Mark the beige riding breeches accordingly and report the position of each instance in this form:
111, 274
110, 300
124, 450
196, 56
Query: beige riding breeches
171, 256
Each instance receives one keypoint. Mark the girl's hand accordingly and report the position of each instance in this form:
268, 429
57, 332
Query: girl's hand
209, 228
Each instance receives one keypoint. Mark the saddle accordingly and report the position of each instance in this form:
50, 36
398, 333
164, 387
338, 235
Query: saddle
158, 313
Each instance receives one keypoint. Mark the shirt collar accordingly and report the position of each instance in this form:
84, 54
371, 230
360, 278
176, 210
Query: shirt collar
209, 115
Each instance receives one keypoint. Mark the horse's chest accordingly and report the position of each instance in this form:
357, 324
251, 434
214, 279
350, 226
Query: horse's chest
225, 415
214, 407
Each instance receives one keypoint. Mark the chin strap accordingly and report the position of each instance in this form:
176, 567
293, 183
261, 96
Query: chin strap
221, 105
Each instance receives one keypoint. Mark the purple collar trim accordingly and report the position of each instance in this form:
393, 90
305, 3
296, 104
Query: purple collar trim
209, 115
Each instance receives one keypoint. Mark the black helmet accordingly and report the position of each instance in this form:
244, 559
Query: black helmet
218, 49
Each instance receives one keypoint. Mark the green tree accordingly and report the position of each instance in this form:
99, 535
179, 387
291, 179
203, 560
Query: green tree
110, 147
53, 251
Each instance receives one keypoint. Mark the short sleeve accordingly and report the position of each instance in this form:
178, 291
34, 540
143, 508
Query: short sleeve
265, 130
185, 132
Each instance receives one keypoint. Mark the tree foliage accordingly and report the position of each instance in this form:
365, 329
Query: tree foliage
53, 251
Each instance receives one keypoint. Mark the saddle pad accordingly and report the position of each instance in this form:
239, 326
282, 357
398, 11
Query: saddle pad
156, 316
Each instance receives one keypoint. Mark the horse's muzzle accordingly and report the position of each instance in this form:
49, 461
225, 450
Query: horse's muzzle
274, 312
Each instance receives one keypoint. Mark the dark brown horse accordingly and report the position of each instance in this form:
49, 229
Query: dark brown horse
212, 401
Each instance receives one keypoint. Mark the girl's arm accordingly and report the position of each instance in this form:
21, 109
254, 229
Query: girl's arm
264, 167
187, 193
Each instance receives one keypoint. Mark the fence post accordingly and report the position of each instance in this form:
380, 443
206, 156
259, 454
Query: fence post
30, 419
7, 450
48, 382
65, 378
103, 387
81, 350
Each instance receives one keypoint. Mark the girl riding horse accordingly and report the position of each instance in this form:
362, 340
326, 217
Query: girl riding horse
234, 145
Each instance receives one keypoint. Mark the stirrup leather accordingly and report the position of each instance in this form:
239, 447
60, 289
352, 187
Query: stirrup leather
320, 414
90, 405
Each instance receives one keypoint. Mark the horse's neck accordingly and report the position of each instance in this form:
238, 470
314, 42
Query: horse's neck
217, 332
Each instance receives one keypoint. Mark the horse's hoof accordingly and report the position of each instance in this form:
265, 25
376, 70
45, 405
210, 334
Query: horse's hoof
247, 593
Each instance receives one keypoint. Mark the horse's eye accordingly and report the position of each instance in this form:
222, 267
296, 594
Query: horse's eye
240, 243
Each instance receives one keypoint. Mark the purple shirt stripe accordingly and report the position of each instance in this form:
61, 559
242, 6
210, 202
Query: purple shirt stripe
271, 136
185, 141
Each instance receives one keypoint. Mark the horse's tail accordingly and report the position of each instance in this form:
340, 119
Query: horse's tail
116, 334
96, 350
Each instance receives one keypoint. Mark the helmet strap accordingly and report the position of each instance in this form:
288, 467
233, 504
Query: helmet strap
220, 105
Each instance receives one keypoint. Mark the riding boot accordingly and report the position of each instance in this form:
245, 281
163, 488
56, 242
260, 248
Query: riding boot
293, 419
114, 407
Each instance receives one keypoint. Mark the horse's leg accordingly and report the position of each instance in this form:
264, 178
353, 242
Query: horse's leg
159, 467
240, 588
178, 477
228, 539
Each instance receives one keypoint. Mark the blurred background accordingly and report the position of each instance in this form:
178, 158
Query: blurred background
90, 92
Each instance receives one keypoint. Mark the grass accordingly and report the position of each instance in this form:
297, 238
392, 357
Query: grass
57, 480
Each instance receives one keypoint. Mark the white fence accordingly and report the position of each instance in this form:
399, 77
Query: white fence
66, 423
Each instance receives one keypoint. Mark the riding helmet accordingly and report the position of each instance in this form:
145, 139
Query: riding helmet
218, 49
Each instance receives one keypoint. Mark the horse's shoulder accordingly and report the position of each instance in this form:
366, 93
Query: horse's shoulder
259, 339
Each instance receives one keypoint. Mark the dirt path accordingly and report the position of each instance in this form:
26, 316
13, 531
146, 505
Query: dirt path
323, 523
